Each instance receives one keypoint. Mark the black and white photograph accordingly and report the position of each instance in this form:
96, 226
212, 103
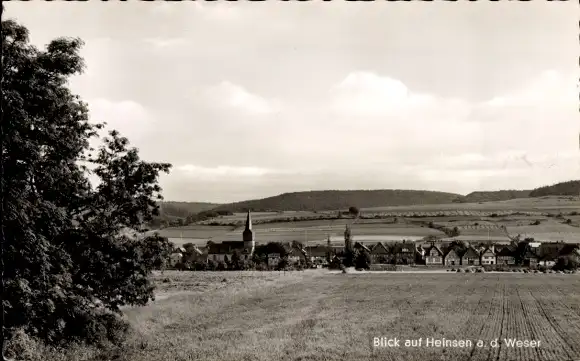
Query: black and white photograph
290, 181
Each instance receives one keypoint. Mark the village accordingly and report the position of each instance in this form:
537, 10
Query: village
429, 253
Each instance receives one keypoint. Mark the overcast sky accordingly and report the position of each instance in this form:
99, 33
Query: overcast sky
249, 100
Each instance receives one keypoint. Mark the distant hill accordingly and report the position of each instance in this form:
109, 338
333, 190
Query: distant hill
569, 188
334, 199
494, 196
178, 213
184, 209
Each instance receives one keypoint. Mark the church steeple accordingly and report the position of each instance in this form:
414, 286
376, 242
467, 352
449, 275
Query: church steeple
248, 222
248, 235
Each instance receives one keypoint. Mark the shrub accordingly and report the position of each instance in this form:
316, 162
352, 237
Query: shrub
566, 263
542, 268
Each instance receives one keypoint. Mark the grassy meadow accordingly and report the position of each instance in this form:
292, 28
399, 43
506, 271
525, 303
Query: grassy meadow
319, 315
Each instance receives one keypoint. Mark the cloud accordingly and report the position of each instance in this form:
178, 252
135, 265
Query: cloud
160, 42
373, 131
549, 89
365, 94
228, 171
213, 11
128, 117
229, 95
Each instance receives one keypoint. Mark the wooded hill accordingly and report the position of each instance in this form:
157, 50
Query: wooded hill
184, 209
569, 188
334, 199
494, 196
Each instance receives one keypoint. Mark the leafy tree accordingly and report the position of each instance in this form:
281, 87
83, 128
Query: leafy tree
459, 246
363, 260
68, 262
566, 263
212, 265
353, 211
157, 251
283, 264
348, 248
236, 261
521, 249
454, 232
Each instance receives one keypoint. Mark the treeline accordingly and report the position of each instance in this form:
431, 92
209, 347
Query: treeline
570, 188
450, 232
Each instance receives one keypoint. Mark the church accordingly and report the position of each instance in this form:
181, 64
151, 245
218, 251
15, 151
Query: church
221, 252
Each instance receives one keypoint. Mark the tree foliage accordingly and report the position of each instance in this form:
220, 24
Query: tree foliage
363, 260
70, 252
569, 188
354, 211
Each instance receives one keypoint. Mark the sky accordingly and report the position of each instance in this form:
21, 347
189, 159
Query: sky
253, 99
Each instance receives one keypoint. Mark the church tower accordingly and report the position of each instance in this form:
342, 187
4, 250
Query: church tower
248, 236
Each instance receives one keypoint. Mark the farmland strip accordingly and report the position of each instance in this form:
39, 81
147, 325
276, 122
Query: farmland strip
528, 326
557, 330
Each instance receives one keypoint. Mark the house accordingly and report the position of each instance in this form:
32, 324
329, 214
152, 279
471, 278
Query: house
336, 250
505, 256
535, 245
175, 258
433, 256
317, 254
222, 252
296, 255
380, 254
452, 258
403, 253
421, 251
470, 257
273, 259
361, 247
548, 253
530, 258
488, 256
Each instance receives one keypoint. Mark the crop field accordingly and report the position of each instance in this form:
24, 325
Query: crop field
317, 315
544, 204
474, 220
298, 231
316, 231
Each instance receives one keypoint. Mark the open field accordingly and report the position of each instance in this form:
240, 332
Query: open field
474, 220
316, 231
315, 315
297, 231
542, 204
